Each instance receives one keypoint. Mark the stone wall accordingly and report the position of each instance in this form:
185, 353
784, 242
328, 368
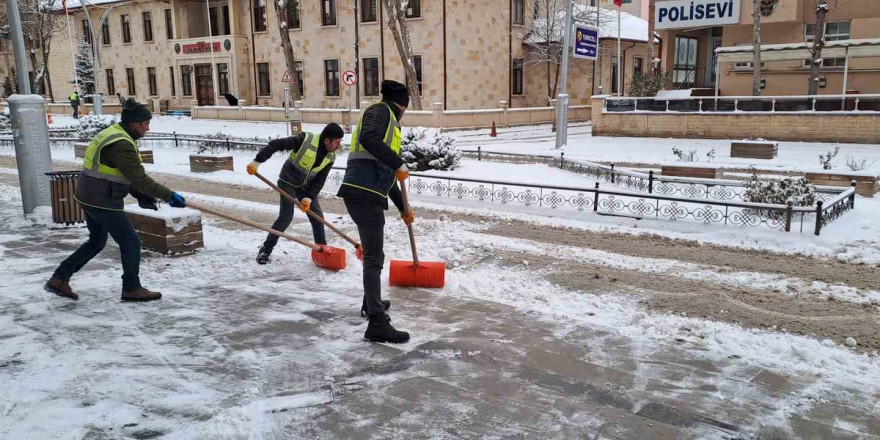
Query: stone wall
816, 127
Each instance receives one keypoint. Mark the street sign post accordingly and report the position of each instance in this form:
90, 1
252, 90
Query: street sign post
349, 77
287, 77
586, 43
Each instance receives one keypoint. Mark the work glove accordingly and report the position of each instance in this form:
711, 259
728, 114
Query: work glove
304, 204
408, 216
147, 202
402, 173
177, 200
252, 167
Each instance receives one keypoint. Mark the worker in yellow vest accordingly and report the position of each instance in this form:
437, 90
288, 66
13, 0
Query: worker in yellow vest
302, 176
74, 102
111, 170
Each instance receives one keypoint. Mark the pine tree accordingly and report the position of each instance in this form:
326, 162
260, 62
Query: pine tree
85, 70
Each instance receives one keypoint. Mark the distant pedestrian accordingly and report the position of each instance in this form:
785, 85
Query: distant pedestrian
74, 102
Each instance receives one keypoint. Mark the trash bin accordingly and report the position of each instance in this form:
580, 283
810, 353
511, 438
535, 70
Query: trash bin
62, 185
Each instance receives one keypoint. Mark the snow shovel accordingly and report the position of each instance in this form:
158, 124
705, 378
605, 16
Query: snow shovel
359, 250
415, 273
323, 256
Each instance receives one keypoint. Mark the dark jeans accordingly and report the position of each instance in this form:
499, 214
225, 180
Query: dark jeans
370, 221
100, 223
285, 216
75, 110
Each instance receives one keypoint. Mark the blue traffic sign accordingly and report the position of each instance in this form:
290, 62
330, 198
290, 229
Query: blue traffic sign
586, 42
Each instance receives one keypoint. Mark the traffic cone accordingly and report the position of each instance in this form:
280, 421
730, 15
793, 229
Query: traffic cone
49, 118
494, 132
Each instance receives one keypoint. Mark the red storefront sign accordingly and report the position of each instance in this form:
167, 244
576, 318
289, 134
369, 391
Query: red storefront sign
201, 47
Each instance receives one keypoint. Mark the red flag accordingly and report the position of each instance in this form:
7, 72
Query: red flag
616, 2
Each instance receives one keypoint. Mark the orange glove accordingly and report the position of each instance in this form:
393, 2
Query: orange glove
408, 216
402, 173
305, 204
252, 167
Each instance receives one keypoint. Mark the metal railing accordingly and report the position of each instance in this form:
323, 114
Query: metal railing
746, 104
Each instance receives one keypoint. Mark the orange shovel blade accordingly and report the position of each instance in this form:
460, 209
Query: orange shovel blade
426, 274
329, 257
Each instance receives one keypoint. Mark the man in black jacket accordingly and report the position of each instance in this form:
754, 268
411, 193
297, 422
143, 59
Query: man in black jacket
302, 176
111, 170
374, 165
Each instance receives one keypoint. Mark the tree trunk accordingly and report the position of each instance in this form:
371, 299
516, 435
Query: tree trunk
397, 23
818, 43
651, 67
287, 47
756, 49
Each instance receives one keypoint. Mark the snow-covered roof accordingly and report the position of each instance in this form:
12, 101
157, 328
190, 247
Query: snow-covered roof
76, 4
632, 28
857, 48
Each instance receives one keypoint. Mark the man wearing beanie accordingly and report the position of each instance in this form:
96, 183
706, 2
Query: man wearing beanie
111, 170
373, 167
302, 176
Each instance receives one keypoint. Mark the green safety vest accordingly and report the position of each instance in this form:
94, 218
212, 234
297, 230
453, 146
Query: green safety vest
73, 96
358, 176
92, 165
303, 160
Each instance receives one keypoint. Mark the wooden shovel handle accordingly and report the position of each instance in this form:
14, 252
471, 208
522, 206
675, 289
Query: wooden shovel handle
309, 212
194, 205
412, 237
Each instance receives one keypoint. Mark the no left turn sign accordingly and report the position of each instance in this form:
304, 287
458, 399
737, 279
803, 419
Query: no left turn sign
349, 77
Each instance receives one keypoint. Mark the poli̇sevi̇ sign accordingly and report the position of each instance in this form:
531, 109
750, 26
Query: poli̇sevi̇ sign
692, 13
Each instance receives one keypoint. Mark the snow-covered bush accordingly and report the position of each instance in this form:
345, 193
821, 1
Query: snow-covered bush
690, 156
421, 151
858, 164
216, 142
779, 192
5, 120
650, 84
89, 126
825, 159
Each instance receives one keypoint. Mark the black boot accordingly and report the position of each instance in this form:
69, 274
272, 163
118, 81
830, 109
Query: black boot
384, 302
380, 330
263, 255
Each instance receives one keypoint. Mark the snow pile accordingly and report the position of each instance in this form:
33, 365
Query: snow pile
422, 152
175, 218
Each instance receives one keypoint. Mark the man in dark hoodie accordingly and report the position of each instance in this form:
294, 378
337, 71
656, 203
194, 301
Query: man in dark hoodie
374, 164
302, 176
111, 170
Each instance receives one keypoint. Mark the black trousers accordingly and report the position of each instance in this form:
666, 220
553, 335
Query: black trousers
101, 223
285, 216
370, 221
75, 110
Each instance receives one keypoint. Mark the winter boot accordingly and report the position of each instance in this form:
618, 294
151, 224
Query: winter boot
384, 302
380, 330
141, 294
60, 288
263, 255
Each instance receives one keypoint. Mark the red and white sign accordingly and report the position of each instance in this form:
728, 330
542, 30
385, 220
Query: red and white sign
201, 47
349, 77
287, 77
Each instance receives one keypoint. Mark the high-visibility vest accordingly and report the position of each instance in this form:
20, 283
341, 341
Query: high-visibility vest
359, 173
92, 165
74, 96
303, 161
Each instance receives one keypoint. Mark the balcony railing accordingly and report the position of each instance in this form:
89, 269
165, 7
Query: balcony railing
747, 104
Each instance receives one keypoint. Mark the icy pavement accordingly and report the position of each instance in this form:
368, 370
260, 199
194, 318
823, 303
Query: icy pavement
235, 350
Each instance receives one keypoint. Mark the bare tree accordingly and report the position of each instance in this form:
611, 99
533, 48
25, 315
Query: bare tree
756, 49
651, 8
396, 10
39, 22
822, 9
283, 10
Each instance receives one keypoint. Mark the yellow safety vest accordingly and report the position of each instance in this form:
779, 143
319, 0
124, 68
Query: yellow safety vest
304, 159
92, 165
363, 178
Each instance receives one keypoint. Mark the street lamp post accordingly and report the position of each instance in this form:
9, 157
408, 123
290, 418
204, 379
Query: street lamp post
96, 97
562, 101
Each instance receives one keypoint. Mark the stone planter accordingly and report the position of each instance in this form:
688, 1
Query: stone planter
169, 231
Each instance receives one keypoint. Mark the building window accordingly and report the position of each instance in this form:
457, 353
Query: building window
151, 81
685, 66
368, 11
331, 77
213, 21
105, 33
328, 12
519, 13
259, 15
293, 21
126, 29
827, 63
638, 66
171, 77
148, 25
417, 60
186, 80
615, 64
226, 28
834, 31
371, 76
300, 80
129, 75
87, 32
414, 9
222, 78
169, 25
517, 79
111, 86
263, 75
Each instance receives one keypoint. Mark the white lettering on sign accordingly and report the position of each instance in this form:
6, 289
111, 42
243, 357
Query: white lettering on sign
691, 13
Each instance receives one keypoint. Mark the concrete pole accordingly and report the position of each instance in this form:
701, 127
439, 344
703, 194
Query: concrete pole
562, 103
31, 137
619, 61
21, 65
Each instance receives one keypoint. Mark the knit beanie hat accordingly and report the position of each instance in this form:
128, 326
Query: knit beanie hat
332, 131
133, 111
395, 92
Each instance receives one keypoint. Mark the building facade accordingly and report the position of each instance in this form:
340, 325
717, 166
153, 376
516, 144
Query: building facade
468, 54
688, 50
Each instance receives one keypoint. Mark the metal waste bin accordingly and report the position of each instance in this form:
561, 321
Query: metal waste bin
62, 185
